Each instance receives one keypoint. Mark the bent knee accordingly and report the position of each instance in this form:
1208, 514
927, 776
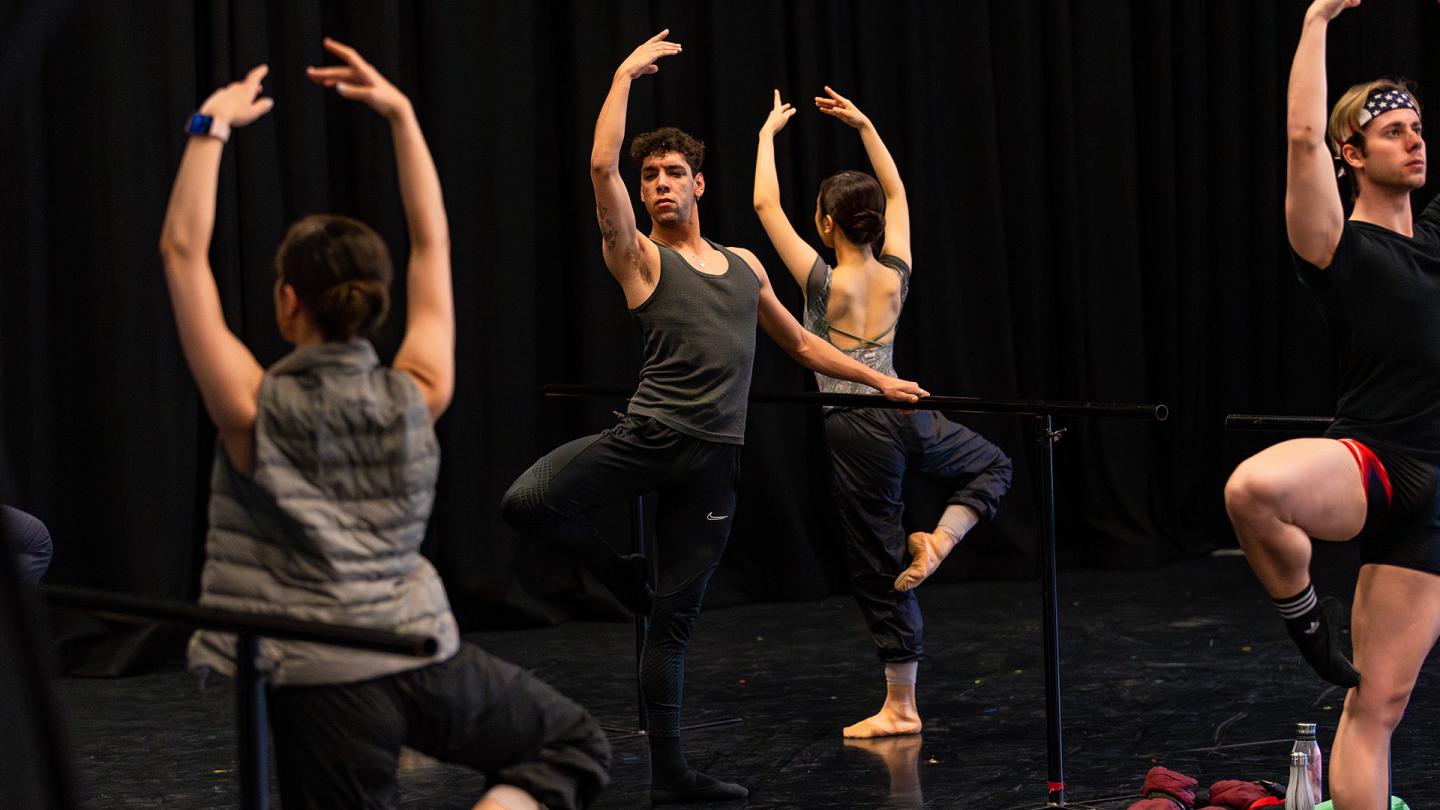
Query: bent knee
522, 506
1254, 493
1377, 702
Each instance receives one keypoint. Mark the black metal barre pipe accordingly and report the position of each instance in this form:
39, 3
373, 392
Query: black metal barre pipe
126, 606
1269, 422
1030, 407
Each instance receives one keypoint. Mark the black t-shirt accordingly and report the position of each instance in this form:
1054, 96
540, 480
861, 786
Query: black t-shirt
1381, 296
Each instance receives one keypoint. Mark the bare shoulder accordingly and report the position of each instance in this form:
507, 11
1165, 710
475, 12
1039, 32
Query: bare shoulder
750, 259
902, 255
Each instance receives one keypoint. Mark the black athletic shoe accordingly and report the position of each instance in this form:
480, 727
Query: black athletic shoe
1317, 634
696, 787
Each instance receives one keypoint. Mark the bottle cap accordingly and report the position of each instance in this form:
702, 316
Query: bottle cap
1305, 731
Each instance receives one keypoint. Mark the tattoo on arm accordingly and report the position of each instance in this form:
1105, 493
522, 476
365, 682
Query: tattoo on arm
607, 228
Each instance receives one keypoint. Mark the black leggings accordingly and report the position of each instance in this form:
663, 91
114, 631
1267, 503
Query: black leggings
696, 482
870, 450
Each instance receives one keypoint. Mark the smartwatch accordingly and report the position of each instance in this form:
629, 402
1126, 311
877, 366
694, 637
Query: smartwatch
202, 124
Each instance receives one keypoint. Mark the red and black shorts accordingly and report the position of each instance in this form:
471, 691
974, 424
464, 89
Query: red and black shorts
1402, 514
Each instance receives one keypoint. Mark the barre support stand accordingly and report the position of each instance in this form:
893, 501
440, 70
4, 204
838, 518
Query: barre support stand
1045, 437
250, 725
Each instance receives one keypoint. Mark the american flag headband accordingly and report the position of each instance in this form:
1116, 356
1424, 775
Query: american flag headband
1378, 103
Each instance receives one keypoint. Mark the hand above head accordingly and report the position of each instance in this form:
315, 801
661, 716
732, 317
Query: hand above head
642, 60
238, 103
902, 390
837, 106
779, 116
358, 80
1330, 9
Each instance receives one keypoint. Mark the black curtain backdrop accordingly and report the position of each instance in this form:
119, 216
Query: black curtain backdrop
1096, 192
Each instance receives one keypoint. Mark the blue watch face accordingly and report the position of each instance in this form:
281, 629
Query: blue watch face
199, 124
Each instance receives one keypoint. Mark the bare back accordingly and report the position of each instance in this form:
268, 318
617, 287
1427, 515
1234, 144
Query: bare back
865, 301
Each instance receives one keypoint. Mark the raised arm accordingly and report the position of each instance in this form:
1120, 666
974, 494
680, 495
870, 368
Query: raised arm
817, 354
427, 352
795, 252
225, 371
897, 208
629, 256
1314, 217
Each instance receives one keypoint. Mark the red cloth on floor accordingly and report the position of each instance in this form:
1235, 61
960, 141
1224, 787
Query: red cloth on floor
1160, 783
1182, 787
1235, 794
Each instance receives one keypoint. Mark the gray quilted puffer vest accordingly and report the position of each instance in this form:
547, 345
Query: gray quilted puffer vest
329, 527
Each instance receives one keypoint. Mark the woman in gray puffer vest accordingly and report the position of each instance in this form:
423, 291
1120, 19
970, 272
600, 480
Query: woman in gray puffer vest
325, 480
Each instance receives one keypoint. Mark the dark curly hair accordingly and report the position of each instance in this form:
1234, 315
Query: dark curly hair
668, 139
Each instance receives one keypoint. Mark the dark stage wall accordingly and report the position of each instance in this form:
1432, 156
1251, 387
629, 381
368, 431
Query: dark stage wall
1096, 189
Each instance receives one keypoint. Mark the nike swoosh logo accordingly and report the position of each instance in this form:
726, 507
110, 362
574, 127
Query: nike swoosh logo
713, 516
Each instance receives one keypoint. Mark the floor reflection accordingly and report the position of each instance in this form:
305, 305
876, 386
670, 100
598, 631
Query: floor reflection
901, 757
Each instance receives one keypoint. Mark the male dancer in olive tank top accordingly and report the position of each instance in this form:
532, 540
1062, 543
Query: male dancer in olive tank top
696, 304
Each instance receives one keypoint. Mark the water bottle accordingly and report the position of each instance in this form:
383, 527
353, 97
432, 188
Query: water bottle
1305, 743
1297, 793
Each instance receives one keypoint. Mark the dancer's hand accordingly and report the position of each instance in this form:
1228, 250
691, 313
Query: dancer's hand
358, 80
238, 103
898, 390
779, 116
642, 61
837, 106
1329, 9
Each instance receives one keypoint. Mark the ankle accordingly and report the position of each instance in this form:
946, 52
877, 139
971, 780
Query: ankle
899, 701
955, 523
667, 761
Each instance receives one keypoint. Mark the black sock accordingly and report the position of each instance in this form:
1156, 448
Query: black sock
1315, 625
667, 761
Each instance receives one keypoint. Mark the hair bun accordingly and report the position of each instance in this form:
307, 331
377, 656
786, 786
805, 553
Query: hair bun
865, 226
341, 270
353, 307
857, 204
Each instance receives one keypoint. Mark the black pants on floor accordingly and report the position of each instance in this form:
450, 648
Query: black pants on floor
870, 451
695, 481
338, 745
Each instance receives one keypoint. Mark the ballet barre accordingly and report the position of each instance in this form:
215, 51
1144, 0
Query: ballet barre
1041, 413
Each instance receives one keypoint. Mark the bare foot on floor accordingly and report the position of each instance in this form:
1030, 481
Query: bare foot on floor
886, 723
927, 551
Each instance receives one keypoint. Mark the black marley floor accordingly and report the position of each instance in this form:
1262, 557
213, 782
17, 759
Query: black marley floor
1186, 666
